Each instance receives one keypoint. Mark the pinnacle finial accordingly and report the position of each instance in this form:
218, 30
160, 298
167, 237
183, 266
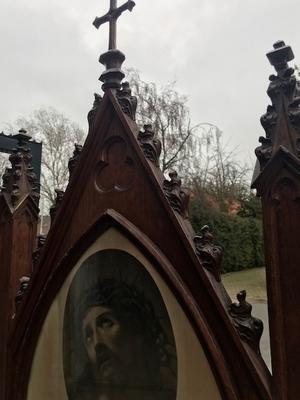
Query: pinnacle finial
22, 137
280, 55
20, 180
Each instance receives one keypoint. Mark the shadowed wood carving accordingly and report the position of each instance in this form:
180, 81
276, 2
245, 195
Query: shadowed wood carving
209, 253
57, 203
249, 328
73, 162
20, 180
24, 283
178, 197
284, 92
92, 113
149, 143
127, 102
41, 239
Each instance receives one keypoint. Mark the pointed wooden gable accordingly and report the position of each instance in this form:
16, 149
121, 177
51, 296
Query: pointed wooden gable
119, 199
126, 301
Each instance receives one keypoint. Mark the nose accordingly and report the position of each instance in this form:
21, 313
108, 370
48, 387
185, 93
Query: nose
98, 338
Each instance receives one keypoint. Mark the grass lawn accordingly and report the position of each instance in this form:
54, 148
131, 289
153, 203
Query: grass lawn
253, 280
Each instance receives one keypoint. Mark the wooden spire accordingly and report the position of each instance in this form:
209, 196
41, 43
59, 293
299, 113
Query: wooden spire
278, 185
18, 226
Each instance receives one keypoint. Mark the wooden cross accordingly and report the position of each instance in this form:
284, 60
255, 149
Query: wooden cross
112, 17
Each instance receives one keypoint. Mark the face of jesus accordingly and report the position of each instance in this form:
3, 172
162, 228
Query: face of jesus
110, 348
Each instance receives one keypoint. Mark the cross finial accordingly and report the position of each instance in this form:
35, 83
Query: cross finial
113, 58
112, 16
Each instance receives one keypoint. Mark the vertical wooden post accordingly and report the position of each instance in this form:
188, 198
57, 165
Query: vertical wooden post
278, 185
18, 228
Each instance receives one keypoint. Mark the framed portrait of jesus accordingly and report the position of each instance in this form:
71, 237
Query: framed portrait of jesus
118, 339
116, 331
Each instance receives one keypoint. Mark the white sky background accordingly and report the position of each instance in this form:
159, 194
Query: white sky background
214, 49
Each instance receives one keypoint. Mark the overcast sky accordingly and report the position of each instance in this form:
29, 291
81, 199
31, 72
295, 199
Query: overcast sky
214, 49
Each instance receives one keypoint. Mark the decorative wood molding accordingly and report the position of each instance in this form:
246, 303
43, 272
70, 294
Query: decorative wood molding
116, 171
209, 253
41, 239
74, 160
249, 328
178, 197
281, 122
93, 112
55, 207
24, 284
150, 145
127, 102
19, 180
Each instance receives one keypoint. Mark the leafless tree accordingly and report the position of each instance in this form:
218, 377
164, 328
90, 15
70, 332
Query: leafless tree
197, 151
221, 176
58, 135
4, 162
169, 115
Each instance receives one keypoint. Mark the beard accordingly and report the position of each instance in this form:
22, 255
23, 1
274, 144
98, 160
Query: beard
108, 368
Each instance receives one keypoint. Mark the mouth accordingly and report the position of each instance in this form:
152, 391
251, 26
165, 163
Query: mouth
103, 359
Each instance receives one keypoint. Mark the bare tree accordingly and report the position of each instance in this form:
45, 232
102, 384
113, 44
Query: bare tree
197, 151
58, 135
4, 162
221, 176
169, 115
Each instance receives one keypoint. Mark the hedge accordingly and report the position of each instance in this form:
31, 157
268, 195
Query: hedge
240, 237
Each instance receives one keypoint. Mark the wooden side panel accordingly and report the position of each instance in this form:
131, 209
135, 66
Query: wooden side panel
5, 299
282, 232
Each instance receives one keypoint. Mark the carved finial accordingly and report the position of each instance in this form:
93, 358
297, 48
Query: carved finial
24, 283
280, 56
150, 144
55, 207
127, 102
178, 197
20, 179
75, 159
41, 239
209, 253
92, 113
113, 58
284, 92
249, 328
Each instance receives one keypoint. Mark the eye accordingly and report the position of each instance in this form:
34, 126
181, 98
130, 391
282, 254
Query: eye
105, 323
